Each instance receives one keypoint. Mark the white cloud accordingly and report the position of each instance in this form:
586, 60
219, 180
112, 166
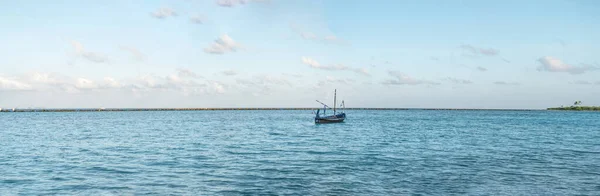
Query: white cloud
507, 83
264, 80
222, 45
230, 3
403, 79
13, 84
480, 51
334, 80
335, 67
111, 83
458, 81
362, 71
149, 81
217, 87
45, 78
273, 80
263, 84
311, 62
292, 75
198, 19
333, 39
308, 35
48, 81
185, 73
182, 81
551, 64
229, 72
91, 56
233, 3
582, 82
482, 69
134, 52
83, 83
163, 13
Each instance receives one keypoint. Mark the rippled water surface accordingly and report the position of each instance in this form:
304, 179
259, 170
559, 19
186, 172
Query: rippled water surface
285, 153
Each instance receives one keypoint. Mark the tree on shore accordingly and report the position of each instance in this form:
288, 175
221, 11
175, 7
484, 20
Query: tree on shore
577, 103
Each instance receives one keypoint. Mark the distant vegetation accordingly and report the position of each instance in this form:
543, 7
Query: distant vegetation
577, 107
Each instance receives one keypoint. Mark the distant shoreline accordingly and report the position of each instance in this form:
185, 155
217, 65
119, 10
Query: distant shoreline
578, 108
225, 109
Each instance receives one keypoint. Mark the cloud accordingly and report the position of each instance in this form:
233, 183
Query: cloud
13, 85
335, 67
333, 39
45, 78
40, 81
263, 84
334, 80
222, 45
482, 69
163, 13
83, 83
476, 51
229, 73
198, 19
582, 82
308, 35
264, 80
402, 79
233, 3
217, 87
292, 75
362, 71
111, 83
184, 81
91, 56
327, 39
507, 83
134, 52
311, 62
551, 64
230, 3
458, 81
186, 73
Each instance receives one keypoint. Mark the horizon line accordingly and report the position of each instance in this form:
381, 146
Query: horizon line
238, 108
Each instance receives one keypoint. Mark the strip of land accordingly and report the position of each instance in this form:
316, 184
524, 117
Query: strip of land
213, 109
578, 108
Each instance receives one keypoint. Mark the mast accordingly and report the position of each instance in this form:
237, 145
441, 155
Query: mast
334, 97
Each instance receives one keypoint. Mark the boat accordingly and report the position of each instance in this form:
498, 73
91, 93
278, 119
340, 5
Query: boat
336, 117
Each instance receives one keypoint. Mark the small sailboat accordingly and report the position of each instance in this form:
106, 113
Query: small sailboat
336, 117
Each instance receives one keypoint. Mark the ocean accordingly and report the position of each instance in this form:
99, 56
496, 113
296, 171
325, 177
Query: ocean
282, 152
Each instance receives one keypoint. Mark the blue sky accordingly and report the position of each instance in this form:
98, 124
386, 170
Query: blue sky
287, 53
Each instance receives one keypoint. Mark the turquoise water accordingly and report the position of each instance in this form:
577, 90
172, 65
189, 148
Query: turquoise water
285, 153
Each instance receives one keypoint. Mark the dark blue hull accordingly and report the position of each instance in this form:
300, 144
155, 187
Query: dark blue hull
331, 119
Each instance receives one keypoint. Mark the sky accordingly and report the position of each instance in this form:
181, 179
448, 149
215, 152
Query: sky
289, 53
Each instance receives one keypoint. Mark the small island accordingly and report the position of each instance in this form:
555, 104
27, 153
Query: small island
577, 107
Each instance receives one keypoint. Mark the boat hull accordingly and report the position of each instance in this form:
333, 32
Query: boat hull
331, 119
